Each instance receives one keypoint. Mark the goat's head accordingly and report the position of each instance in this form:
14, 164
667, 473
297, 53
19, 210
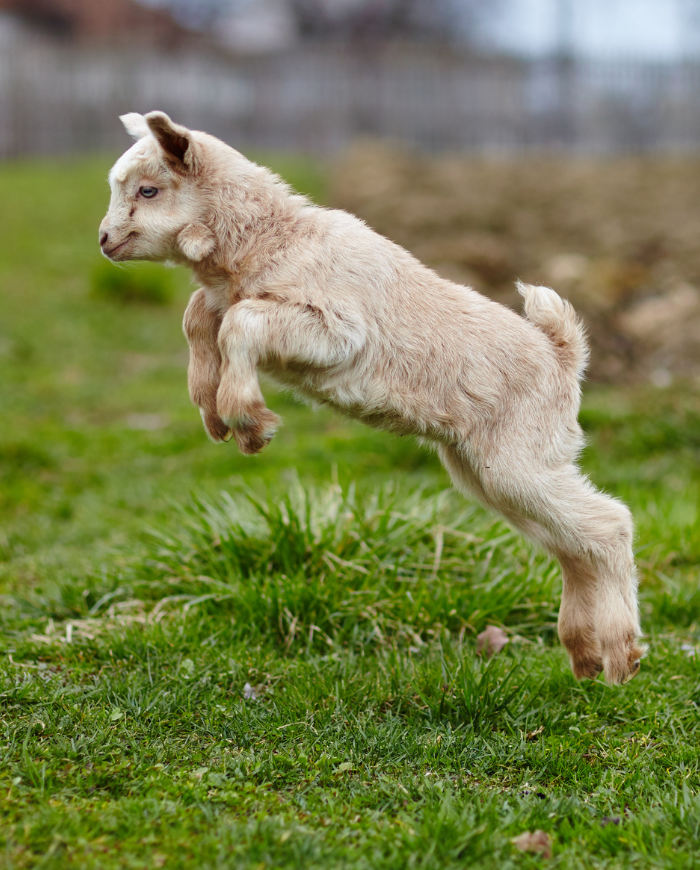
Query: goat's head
159, 205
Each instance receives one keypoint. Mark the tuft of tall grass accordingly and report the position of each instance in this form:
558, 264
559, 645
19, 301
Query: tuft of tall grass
326, 566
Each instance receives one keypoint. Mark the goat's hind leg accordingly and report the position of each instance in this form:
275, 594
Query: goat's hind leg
578, 601
591, 535
577, 615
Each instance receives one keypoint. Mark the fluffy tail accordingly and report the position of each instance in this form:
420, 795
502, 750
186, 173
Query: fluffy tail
558, 320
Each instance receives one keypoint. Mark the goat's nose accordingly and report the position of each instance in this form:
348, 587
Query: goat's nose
103, 239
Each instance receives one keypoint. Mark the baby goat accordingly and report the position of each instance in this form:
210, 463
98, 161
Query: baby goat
326, 306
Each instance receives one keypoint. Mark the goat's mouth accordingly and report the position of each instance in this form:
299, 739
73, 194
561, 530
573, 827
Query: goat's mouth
111, 253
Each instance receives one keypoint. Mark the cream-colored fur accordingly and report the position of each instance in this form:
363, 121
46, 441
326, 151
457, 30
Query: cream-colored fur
326, 306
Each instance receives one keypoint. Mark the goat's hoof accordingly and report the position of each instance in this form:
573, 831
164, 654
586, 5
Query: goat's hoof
621, 668
216, 429
634, 670
590, 673
584, 654
253, 435
587, 669
251, 443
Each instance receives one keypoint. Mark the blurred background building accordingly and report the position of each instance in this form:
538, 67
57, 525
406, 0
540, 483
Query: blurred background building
583, 76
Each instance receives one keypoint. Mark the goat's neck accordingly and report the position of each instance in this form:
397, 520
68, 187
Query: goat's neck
251, 231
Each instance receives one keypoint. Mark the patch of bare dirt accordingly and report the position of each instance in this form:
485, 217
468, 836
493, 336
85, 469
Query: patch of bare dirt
620, 238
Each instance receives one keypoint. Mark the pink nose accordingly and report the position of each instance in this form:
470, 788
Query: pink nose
103, 239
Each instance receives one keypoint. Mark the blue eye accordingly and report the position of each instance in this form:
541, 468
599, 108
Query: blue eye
148, 192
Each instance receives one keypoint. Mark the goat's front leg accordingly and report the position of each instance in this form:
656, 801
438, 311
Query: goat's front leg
258, 331
201, 325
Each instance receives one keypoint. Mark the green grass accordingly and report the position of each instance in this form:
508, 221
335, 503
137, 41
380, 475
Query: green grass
214, 661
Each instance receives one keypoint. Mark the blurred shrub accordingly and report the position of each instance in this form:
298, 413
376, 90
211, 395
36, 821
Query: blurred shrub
616, 237
142, 283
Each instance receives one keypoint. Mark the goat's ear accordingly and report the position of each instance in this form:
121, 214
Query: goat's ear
196, 242
175, 140
135, 125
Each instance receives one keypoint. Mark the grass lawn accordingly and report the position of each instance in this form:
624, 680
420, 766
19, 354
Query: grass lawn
209, 661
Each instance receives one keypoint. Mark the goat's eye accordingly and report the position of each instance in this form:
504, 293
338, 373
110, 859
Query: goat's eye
148, 192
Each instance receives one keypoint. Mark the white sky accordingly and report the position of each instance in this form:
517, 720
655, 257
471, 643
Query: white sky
643, 28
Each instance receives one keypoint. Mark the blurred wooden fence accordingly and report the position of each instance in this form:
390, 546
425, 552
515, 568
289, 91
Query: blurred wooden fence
59, 99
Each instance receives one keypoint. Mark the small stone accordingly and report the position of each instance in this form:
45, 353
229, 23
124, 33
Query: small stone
534, 841
491, 641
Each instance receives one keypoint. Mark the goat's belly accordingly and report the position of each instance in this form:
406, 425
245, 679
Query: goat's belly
378, 405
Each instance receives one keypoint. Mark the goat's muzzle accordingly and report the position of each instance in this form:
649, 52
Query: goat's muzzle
109, 248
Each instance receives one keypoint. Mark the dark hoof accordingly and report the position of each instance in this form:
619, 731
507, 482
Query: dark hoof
636, 667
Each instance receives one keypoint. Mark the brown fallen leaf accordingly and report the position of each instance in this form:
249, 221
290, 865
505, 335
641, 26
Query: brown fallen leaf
532, 734
534, 841
491, 641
